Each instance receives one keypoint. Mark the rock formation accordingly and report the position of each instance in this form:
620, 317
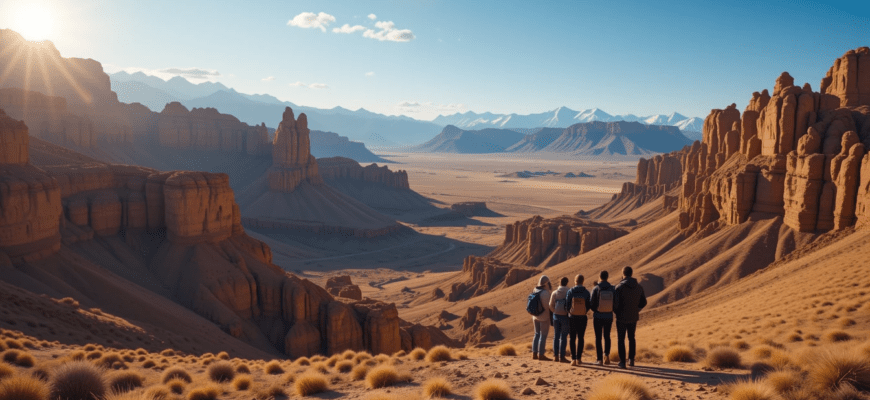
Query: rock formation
543, 242
848, 79
478, 325
486, 274
333, 168
342, 286
470, 208
292, 162
207, 129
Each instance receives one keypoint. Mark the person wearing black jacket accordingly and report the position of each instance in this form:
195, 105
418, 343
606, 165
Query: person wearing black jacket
602, 322
629, 300
577, 319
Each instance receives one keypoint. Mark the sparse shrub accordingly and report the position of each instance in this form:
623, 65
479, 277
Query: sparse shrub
679, 353
208, 392
382, 376
506, 350
221, 372
762, 352
310, 383
302, 361
846, 392
22, 387
176, 373
273, 368
148, 364
492, 389
223, 356
176, 385
348, 355
833, 368
747, 390
125, 381
242, 383
439, 353
760, 369
362, 356
417, 354
359, 372
13, 344
834, 336
344, 366
157, 392
5, 371
437, 387
243, 369
783, 380
276, 390
622, 387
321, 367
78, 380
723, 357
109, 360
167, 353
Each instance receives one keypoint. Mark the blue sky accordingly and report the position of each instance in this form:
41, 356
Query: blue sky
506, 56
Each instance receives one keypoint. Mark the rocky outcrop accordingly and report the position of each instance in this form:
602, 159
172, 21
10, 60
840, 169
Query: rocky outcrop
49, 118
848, 79
486, 274
543, 242
292, 162
207, 129
333, 168
478, 325
342, 286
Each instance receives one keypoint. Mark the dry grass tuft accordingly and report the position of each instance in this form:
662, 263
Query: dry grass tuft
622, 387
302, 361
273, 368
361, 357
344, 366
723, 357
836, 335
176, 385
437, 387
846, 392
417, 354
492, 389
748, 390
382, 376
129, 396
310, 383
833, 368
321, 367
223, 356
22, 387
439, 353
5, 371
783, 380
157, 393
110, 360
207, 392
243, 369
78, 380
221, 371
359, 372
125, 381
679, 353
506, 350
176, 373
348, 355
242, 383
762, 352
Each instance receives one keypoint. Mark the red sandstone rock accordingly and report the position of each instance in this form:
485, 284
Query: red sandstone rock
341, 286
292, 162
344, 168
849, 78
207, 129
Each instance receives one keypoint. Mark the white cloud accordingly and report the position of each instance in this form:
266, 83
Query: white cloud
429, 107
370, 74
191, 73
268, 79
312, 20
349, 29
310, 85
197, 75
373, 17
389, 32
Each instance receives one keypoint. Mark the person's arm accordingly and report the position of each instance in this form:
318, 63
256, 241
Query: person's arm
552, 303
642, 303
593, 303
587, 297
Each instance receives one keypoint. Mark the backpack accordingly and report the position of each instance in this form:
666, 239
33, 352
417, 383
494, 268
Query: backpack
562, 305
578, 306
605, 300
534, 306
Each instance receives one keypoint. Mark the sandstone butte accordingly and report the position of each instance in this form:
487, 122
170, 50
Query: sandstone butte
203, 255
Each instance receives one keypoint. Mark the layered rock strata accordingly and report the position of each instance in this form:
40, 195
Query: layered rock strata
207, 129
344, 168
541, 242
292, 162
342, 286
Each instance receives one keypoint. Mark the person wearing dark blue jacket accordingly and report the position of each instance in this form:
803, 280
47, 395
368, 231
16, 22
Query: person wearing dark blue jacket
630, 299
577, 319
602, 322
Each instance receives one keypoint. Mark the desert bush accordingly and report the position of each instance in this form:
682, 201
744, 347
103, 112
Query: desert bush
740, 344
129, 396
302, 361
176, 373
13, 344
321, 367
22, 387
833, 368
492, 389
439, 353
836, 335
149, 364
679, 353
221, 371
344, 366
622, 387
359, 372
273, 368
5, 370
125, 381
243, 369
176, 385
207, 392
157, 392
223, 356
242, 383
506, 350
109, 360
382, 376
310, 383
723, 357
167, 353
417, 354
348, 355
762, 352
748, 390
361, 357
78, 380
783, 380
437, 387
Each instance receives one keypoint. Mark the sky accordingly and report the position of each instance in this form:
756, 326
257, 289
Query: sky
424, 58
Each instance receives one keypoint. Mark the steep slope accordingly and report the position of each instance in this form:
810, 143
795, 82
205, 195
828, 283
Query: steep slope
536, 141
329, 144
455, 140
609, 138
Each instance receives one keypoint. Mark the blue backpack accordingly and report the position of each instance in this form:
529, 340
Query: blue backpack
534, 306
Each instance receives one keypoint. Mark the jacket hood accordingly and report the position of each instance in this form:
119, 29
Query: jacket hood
543, 280
604, 285
630, 283
561, 289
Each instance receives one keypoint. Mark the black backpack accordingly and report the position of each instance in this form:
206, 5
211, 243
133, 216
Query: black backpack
534, 306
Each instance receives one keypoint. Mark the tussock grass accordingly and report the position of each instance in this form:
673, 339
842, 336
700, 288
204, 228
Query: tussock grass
749, 390
176, 385
78, 380
679, 353
167, 353
622, 387
321, 367
382, 376
149, 364
129, 396
344, 366
382, 358
223, 356
273, 368
157, 392
437, 387
359, 372
439, 353
207, 392
762, 352
125, 381
276, 391
242, 383
492, 389
417, 354
302, 362
5, 371
13, 344
361, 357
310, 383
176, 373
221, 371
243, 369
348, 355
506, 350
836, 335
22, 387
836, 367
111, 360
723, 357
332, 360
783, 380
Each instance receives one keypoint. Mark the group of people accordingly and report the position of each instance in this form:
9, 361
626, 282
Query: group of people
565, 309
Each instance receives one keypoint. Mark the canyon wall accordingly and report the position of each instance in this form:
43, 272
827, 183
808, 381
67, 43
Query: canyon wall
207, 129
540, 242
345, 168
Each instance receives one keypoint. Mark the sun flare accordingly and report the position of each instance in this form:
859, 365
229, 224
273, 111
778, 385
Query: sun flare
34, 22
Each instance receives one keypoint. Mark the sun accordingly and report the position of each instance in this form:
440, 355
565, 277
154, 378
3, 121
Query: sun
34, 22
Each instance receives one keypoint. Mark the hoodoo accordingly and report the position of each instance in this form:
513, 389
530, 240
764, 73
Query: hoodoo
292, 162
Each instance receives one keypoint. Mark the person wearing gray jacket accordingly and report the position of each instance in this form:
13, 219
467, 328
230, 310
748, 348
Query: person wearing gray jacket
559, 307
542, 322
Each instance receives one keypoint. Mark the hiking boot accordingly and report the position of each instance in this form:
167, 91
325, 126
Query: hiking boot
556, 359
606, 360
543, 358
599, 362
563, 359
575, 363
630, 363
622, 365
534, 356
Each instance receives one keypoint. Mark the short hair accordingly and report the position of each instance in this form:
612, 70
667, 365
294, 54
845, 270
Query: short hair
564, 281
578, 280
603, 275
627, 271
